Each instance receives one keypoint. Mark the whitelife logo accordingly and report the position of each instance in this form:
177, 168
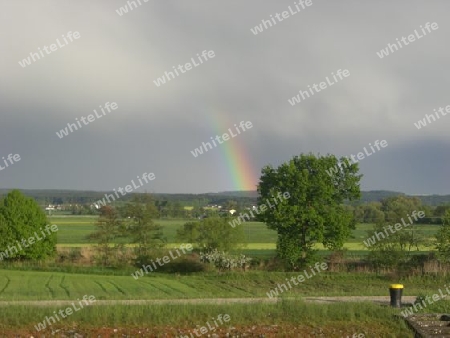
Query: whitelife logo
124, 10
88, 300
188, 66
262, 208
49, 49
11, 158
398, 226
341, 74
285, 14
90, 118
165, 259
411, 38
225, 137
146, 177
31, 240
203, 330
301, 278
423, 123
418, 305
334, 170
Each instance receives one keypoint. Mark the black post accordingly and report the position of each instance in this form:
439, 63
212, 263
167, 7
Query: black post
396, 290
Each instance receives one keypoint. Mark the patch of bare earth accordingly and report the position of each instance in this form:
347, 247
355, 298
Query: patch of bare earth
267, 331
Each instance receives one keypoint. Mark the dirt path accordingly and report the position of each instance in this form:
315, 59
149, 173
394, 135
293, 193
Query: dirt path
320, 300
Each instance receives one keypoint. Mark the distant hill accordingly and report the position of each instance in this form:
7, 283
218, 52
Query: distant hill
377, 195
244, 193
435, 199
366, 196
245, 197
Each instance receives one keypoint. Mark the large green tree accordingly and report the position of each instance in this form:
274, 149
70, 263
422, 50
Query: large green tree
24, 230
314, 212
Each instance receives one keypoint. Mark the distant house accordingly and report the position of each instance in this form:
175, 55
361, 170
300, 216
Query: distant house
226, 212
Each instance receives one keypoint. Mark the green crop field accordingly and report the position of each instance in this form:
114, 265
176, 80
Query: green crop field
44, 285
73, 231
26, 283
282, 319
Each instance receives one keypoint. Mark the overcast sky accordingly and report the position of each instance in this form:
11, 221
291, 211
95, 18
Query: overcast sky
117, 58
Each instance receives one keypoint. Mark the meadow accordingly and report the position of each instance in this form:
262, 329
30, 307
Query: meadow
261, 241
18, 285
284, 319
288, 317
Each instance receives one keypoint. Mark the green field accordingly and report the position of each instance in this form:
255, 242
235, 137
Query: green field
20, 282
287, 319
73, 230
261, 240
337, 320
41, 285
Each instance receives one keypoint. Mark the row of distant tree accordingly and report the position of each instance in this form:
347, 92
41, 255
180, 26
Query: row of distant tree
371, 212
86, 198
402, 248
242, 198
374, 212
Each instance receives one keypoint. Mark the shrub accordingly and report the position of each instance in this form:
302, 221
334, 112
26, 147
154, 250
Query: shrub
225, 261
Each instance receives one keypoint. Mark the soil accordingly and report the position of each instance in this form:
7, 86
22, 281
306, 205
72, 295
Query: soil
261, 331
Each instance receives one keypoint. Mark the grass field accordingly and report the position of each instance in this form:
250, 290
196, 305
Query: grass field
36, 285
261, 240
286, 319
291, 315
73, 230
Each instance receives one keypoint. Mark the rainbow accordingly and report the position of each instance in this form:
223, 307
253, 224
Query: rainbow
237, 165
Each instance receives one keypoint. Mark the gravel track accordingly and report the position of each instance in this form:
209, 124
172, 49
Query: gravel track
320, 300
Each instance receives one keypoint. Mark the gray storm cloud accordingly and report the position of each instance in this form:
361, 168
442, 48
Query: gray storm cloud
251, 78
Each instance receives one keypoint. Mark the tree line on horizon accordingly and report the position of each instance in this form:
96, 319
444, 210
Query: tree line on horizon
243, 198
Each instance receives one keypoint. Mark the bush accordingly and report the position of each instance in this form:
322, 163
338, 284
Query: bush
181, 264
185, 264
225, 261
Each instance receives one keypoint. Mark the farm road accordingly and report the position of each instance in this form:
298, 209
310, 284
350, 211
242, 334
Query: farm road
321, 300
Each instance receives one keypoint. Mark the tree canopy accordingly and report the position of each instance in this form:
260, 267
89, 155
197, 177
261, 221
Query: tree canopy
314, 213
396, 234
212, 233
146, 234
110, 227
443, 239
24, 230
